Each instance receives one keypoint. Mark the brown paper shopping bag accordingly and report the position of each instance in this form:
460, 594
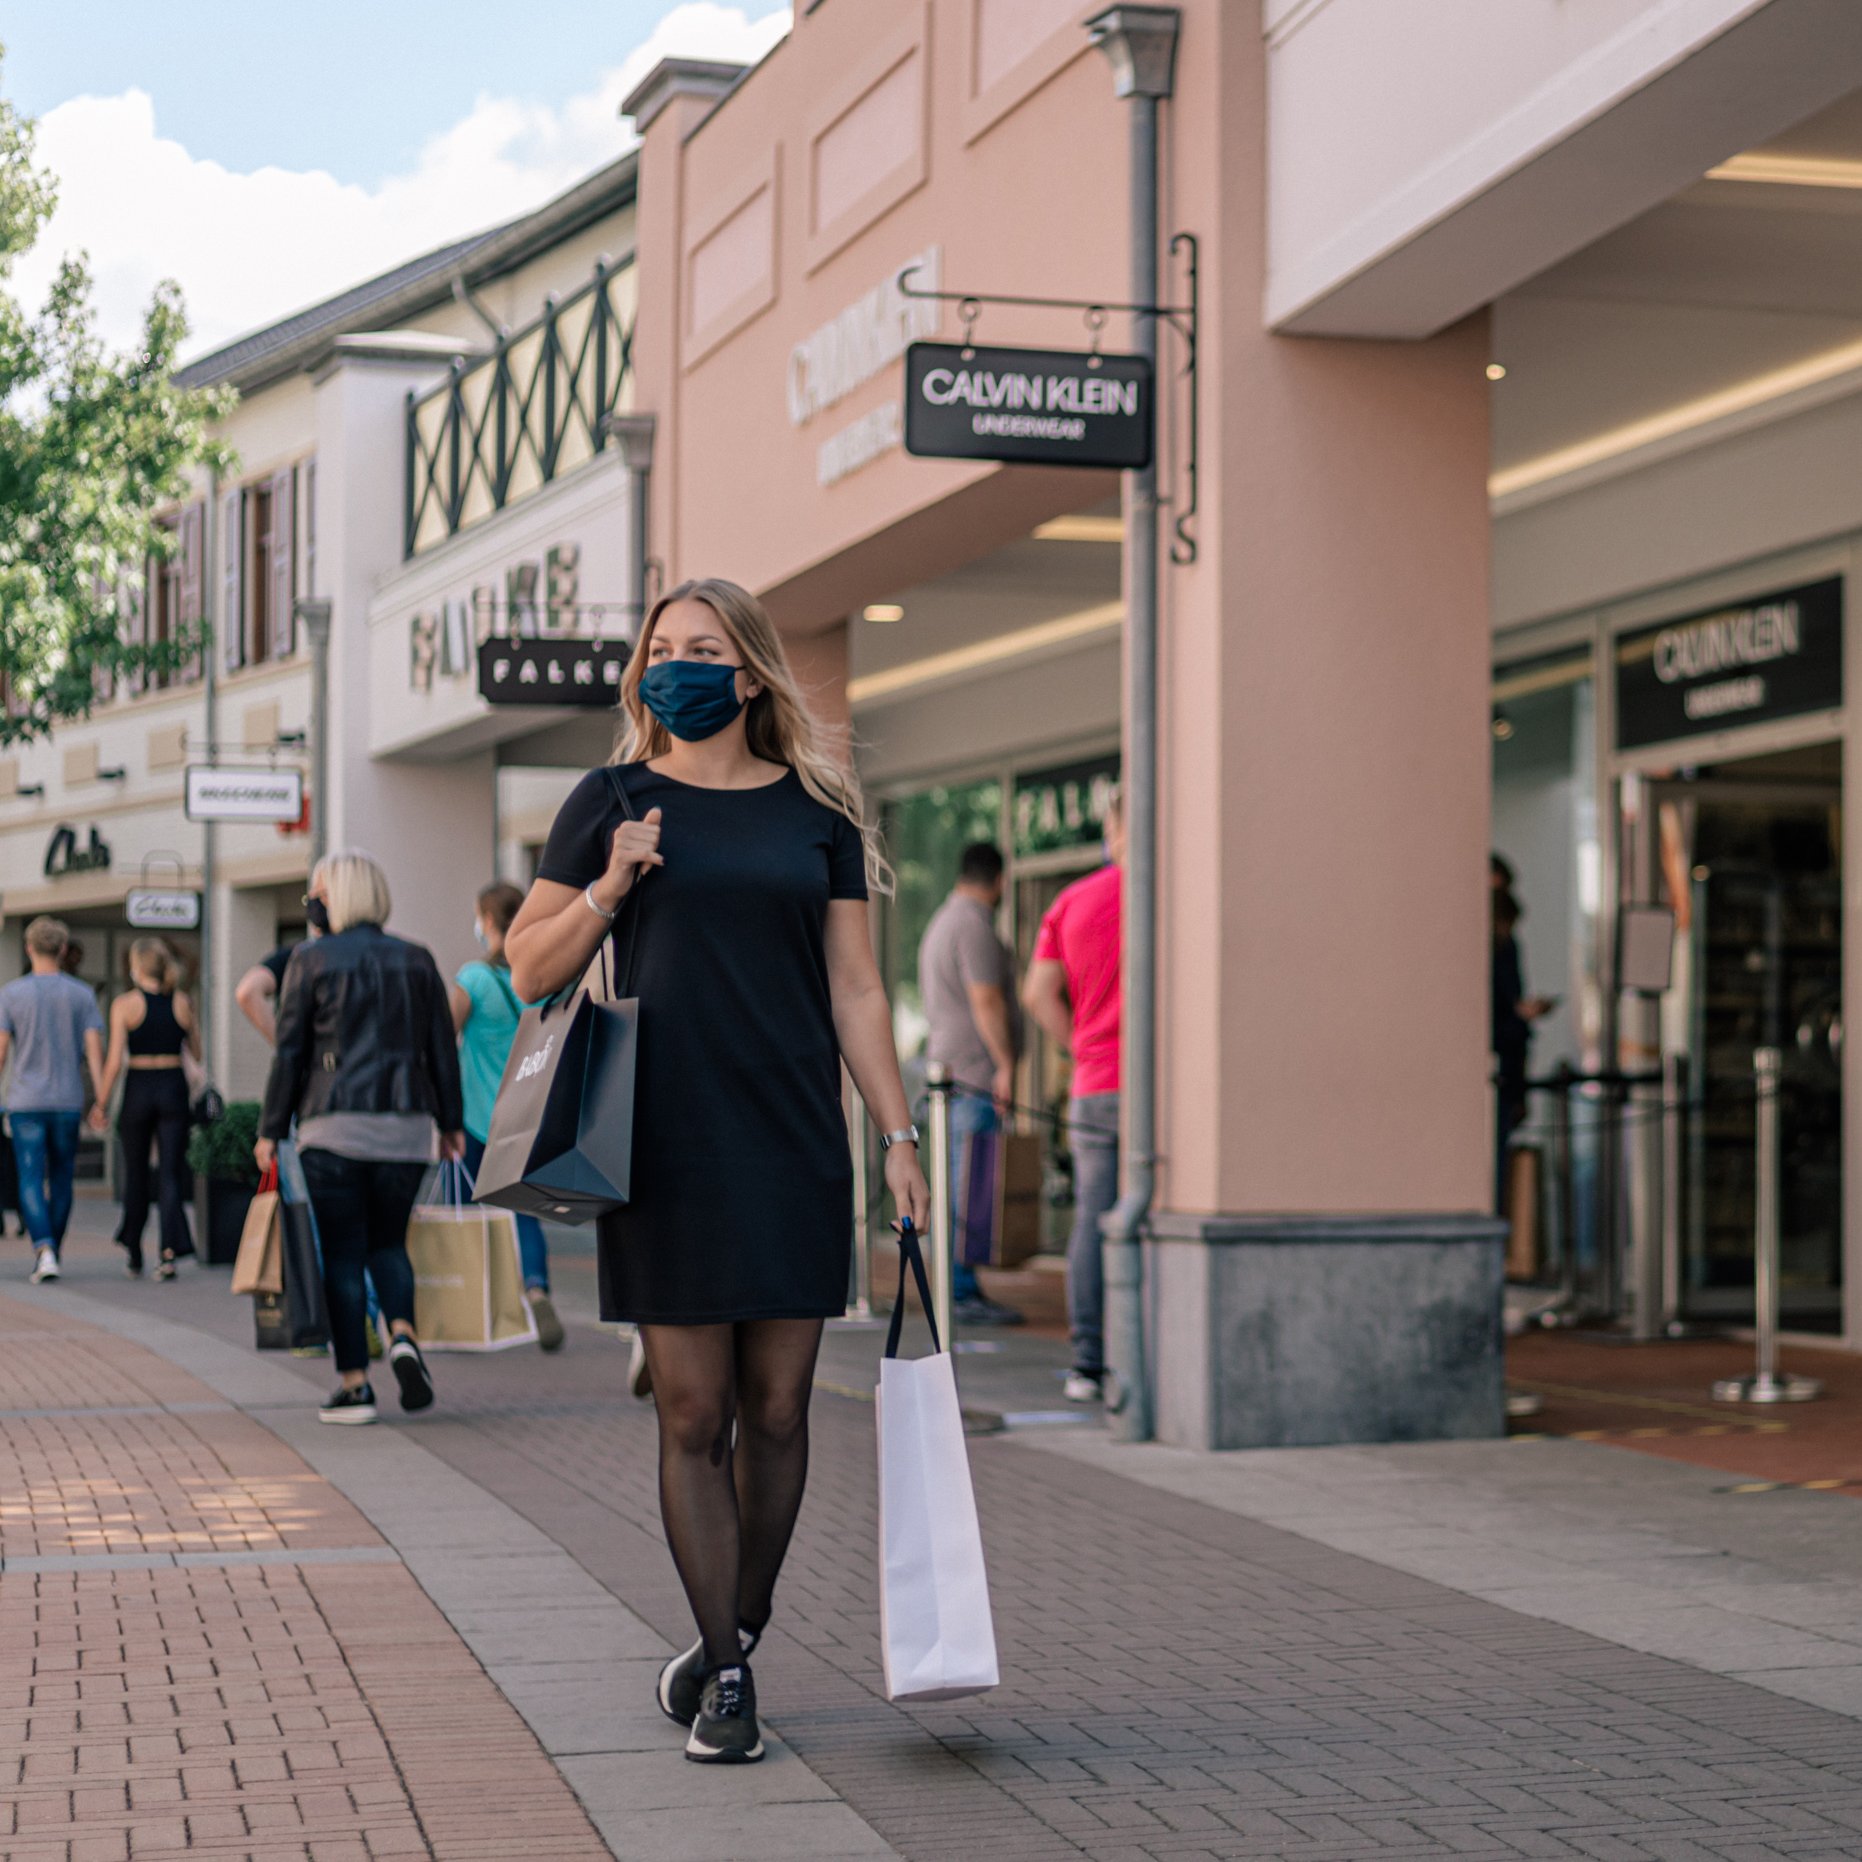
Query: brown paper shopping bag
468, 1280
259, 1265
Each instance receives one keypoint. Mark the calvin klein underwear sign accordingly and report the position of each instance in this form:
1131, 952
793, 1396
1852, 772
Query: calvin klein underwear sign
551, 672
1034, 406
1775, 658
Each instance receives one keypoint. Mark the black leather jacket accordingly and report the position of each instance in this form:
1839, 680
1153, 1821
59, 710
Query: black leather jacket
363, 1026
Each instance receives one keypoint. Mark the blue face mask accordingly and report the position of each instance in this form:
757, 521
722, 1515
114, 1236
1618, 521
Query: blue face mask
693, 698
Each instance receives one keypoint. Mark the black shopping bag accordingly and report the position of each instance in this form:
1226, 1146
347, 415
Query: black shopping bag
306, 1317
562, 1132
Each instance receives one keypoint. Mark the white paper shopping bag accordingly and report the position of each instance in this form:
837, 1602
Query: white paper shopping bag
938, 1637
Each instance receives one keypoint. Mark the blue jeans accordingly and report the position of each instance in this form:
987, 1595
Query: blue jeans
1092, 1135
532, 1248
971, 1115
45, 1145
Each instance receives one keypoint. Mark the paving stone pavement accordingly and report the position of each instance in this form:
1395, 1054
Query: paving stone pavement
207, 1650
1180, 1680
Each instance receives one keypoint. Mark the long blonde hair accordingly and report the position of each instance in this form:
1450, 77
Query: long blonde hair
153, 958
779, 725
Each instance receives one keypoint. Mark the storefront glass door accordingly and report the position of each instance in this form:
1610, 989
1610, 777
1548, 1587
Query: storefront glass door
1750, 859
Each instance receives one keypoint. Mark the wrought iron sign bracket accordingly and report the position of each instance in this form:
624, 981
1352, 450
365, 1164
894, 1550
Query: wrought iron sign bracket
1182, 318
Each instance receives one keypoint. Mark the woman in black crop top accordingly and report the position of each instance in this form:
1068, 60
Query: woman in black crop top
149, 1026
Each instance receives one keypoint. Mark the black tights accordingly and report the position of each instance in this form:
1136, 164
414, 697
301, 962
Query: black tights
729, 1511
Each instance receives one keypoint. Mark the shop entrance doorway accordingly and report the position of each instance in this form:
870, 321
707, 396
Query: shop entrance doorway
1749, 855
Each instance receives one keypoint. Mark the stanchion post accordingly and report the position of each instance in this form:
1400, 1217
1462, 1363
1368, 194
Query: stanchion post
859, 1133
1766, 1385
937, 1078
1674, 1095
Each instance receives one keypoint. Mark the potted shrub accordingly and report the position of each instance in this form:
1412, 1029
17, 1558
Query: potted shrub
221, 1155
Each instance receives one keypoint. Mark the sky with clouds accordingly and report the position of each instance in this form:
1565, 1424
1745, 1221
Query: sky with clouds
267, 164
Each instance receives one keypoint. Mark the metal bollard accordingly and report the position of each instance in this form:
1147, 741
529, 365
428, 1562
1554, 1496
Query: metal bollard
1674, 1095
860, 1293
1564, 1309
1766, 1385
937, 1078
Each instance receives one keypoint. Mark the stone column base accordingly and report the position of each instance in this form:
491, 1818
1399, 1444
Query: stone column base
1301, 1331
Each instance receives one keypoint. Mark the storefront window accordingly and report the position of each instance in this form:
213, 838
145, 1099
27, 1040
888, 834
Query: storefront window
925, 833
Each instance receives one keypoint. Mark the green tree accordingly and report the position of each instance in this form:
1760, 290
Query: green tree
92, 445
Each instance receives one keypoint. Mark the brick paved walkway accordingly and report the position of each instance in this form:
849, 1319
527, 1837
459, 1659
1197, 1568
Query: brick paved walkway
205, 1650
1180, 1682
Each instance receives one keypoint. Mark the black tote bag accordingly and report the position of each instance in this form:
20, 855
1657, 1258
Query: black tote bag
306, 1317
562, 1130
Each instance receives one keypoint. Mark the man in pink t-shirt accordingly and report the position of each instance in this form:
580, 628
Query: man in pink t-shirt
1073, 991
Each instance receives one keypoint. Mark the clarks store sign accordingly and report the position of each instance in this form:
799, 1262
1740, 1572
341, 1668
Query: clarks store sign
1775, 658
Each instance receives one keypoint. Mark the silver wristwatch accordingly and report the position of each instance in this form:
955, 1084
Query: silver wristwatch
887, 1139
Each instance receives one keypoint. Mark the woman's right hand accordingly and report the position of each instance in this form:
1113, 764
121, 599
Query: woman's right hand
634, 849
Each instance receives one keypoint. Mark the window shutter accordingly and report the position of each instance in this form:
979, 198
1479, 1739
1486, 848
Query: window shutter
193, 539
132, 614
233, 581
309, 526
282, 588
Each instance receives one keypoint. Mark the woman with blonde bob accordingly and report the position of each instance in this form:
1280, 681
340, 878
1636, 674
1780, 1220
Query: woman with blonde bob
150, 1024
735, 841
365, 1063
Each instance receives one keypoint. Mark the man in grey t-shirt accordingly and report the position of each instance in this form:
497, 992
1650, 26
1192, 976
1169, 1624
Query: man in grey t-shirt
51, 1029
967, 979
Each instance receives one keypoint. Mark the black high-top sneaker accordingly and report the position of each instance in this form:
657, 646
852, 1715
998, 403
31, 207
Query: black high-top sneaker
725, 1731
682, 1680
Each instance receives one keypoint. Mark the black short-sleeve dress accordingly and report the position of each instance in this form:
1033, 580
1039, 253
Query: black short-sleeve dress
742, 1204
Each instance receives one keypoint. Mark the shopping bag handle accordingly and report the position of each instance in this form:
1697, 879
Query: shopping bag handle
912, 1256
268, 1180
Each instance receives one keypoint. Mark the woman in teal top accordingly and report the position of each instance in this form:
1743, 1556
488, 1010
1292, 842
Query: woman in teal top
486, 1012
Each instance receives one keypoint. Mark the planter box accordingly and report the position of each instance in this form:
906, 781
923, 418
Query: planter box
227, 1204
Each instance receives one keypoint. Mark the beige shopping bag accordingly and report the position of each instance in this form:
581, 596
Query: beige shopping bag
259, 1265
468, 1279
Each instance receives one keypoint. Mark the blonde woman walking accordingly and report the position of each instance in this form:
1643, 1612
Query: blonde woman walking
365, 1063
734, 841
150, 1024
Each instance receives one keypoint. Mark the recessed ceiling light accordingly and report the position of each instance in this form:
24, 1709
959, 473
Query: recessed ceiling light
883, 611
1790, 171
1080, 528
1496, 371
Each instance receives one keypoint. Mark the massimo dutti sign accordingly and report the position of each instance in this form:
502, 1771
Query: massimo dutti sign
1027, 406
1777, 657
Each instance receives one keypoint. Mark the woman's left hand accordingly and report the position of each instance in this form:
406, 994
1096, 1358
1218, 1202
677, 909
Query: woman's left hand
905, 1179
266, 1152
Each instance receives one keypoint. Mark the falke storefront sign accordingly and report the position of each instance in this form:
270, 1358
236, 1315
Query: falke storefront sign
1027, 406
1775, 658
551, 672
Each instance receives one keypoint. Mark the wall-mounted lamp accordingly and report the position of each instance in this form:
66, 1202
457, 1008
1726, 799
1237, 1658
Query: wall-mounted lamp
30, 789
113, 775
291, 739
1502, 726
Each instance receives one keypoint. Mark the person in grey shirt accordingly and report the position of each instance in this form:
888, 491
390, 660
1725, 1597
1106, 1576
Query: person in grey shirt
966, 977
51, 1027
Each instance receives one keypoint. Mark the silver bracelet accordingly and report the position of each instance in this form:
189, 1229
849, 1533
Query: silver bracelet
596, 906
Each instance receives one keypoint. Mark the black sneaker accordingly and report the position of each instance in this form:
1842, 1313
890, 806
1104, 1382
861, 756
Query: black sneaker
410, 1371
357, 1405
682, 1681
724, 1733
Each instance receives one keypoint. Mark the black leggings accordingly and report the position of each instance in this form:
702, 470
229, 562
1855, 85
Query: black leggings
155, 1113
362, 1210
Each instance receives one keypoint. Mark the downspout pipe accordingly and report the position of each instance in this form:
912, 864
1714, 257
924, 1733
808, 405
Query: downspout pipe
633, 435
1141, 43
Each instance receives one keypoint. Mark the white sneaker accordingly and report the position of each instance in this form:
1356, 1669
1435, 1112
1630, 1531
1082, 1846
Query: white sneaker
1083, 1387
47, 1268
639, 1378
